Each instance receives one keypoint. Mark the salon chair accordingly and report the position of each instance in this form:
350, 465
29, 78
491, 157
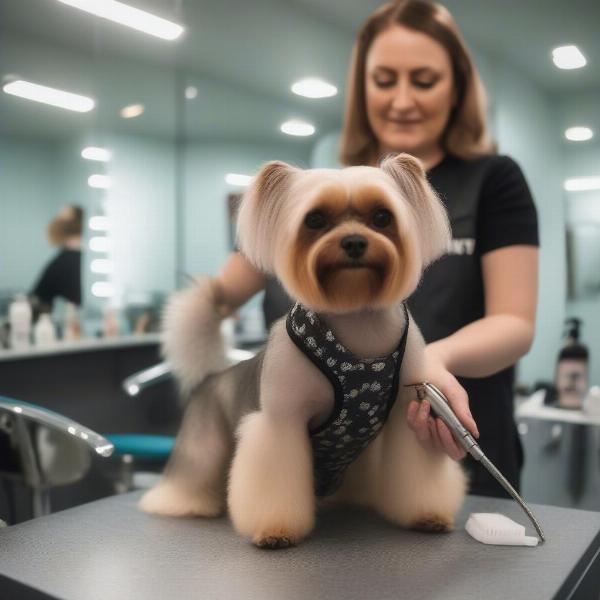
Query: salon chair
41, 449
135, 449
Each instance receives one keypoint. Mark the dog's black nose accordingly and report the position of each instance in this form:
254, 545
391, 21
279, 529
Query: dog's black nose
354, 245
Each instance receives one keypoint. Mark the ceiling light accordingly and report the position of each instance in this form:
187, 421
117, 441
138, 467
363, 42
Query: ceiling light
48, 95
568, 57
103, 289
191, 91
237, 179
579, 134
314, 88
129, 16
132, 111
99, 223
94, 153
296, 127
582, 184
99, 181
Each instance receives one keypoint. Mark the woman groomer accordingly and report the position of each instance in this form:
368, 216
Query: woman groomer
413, 88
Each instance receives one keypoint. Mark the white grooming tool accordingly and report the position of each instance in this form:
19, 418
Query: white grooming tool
441, 407
497, 529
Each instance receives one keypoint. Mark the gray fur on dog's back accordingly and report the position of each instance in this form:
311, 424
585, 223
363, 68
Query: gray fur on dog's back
206, 440
235, 390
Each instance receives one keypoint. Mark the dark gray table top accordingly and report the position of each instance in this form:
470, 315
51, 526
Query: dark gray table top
110, 550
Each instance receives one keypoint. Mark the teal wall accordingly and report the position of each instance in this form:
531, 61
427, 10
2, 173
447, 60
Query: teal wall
141, 208
204, 215
29, 198
526, 129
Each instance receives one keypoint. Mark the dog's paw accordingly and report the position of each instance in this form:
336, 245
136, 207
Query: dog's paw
272, 542
433, 524
168, 500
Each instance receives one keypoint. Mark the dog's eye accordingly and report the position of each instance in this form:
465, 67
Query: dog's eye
382, 218
315, 220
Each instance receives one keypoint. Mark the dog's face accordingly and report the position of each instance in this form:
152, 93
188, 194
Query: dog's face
344, 240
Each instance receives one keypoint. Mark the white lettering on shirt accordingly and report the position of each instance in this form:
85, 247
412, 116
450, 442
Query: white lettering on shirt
462, 246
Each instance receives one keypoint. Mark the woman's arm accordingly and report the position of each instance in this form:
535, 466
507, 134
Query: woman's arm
236, 283
505, 333
485, 346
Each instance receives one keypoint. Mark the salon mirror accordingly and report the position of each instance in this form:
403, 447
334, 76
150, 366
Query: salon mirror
214, 100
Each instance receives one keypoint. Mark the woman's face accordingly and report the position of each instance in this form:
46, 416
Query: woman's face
409, 91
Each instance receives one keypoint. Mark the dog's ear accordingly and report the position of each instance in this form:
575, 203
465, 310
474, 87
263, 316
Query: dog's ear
434, 230
259, 212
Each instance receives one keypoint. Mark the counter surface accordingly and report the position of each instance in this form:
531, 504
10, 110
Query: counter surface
108, 549
534, 408
83, 345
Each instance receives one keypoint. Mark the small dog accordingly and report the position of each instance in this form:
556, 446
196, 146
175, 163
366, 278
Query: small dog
320, 414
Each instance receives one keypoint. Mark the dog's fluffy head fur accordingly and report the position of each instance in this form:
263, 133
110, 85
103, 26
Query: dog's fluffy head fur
344, 240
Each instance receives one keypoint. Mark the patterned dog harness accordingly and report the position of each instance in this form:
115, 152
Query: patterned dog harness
365, 391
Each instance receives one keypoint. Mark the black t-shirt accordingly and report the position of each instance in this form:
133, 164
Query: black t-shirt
490, 206
61, 277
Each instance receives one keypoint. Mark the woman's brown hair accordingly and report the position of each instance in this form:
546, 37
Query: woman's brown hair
68, 223
466, 134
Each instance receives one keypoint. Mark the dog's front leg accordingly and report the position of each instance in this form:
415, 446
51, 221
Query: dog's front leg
271, 494
418, 488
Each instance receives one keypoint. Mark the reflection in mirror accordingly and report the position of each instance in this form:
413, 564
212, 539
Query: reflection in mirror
181, 120
113, 156
583, 259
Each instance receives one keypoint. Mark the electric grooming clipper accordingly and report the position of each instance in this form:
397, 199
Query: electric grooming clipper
441, 407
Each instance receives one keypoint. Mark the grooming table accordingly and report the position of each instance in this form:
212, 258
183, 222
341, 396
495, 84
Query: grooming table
108, 549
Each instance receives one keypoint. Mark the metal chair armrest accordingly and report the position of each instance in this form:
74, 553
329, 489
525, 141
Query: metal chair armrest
141, 380
48, 418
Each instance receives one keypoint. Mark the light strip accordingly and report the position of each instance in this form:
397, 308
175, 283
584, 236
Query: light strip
95, 153
99, 223
100, 244
102, 266
48, 95
103, 289
582, 184
129, 16
238, 179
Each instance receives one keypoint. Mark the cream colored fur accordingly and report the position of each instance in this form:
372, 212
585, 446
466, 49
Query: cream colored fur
192, 343
271, 493
251, 422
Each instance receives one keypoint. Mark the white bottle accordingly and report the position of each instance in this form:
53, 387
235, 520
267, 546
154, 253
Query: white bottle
110, 323
19, 317
44, 333
72, 326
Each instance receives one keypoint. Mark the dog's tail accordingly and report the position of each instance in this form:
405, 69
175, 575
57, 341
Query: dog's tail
192, 342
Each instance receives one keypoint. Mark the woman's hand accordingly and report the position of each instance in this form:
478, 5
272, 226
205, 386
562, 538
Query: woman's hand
432, 433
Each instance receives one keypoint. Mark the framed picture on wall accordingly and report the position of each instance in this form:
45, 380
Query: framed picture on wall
583, 260
233, 206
